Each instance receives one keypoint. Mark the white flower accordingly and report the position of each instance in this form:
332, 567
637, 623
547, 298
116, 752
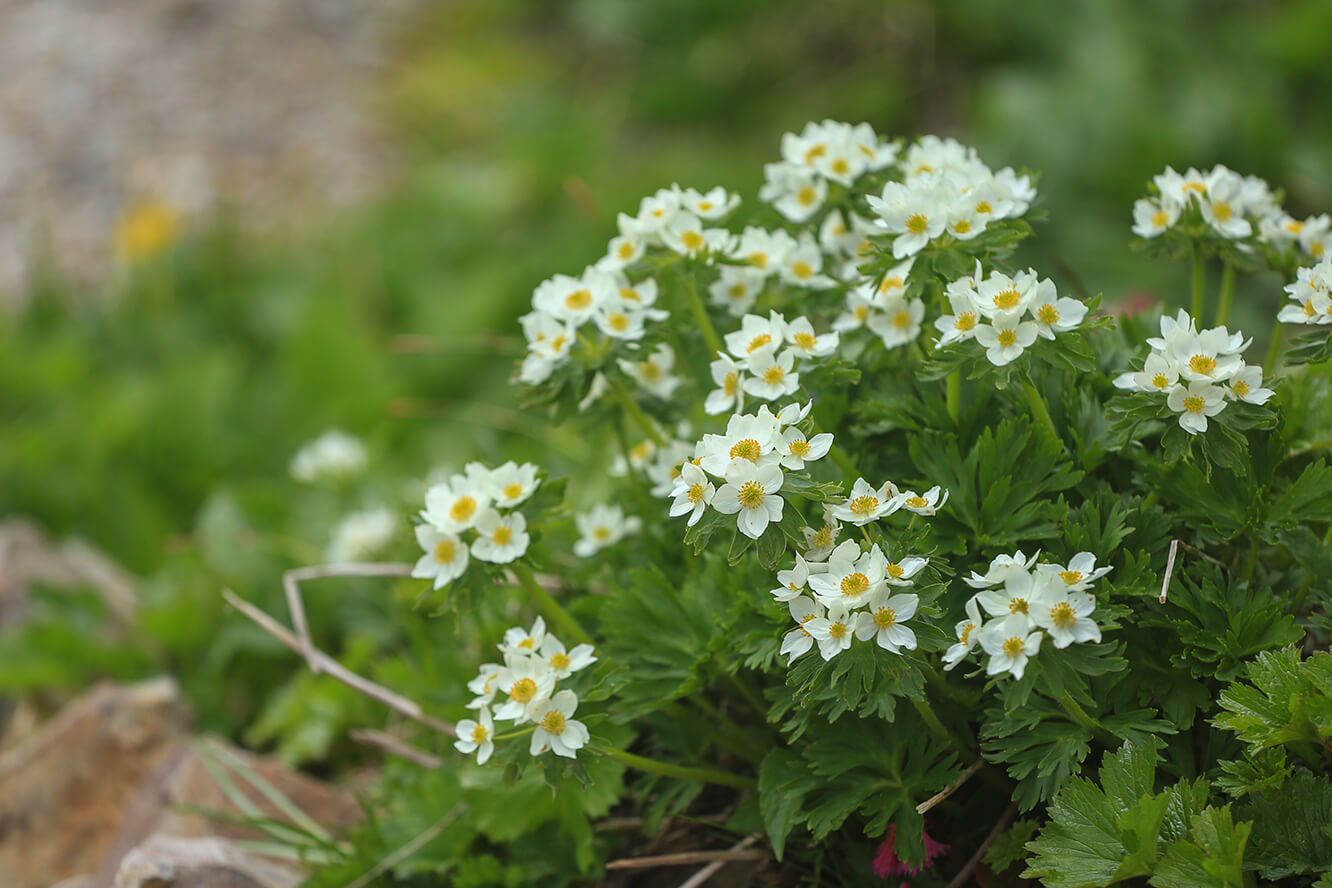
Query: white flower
445, 556
899, 573
1151, 216
527, 681
1195, 403
535, 370
803, 268
961, 324
1066, 617
693, 491
793, 413
794, 192
556, 729
565, 663
1000, 295
1005, 338
883, 621
361, 534
756, 333
1221, 208
619, 322
737, 289
773, 376
603, 525
511, 484
913, 215
334, 454
500, 538
804, 611
476, 736
899, 322
852, 576
765, 251
654, 372
859, 305
924, 504
834, 631
485, 685
570, 299
714, 204
866, 504
1157, 375
1010, 642
1247, 385
520, 641
1205, 356
685, 234
751, 437
1052, 313
1021, 593
819, 543
796, 450
1080, 573
455, 505
806, 343
751, 491
793, 580
1000, 568
967, 632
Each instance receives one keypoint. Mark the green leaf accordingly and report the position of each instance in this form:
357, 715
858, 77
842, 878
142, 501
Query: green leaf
1010, 845
1288, 701
784, 780
1309, 497
1290, 827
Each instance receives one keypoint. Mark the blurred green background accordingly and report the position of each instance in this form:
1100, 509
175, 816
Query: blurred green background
159, 421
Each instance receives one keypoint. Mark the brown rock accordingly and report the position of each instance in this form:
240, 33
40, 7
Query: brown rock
171, 862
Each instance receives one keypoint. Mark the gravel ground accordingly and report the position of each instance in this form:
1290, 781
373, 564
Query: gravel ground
108, 107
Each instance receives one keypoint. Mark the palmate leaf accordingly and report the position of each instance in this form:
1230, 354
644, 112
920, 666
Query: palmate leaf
1285, 700
1291, 827
1309, 498
1214, 858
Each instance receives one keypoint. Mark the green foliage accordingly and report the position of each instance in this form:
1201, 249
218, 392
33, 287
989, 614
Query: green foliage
1289, 701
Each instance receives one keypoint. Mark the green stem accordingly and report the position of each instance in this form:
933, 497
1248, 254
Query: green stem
1273, 361
1080, 716
710, 337
954, 396
745, 691
1198, 280
666, 769
636, 413
938, 729
1227, 294
521, 732
549, 607
1038, 408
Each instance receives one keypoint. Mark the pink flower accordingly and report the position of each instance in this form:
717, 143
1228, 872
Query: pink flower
887, 863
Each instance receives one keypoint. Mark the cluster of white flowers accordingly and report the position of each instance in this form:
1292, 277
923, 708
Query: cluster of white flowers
762, 360
674, 218
748, 459
333, 455
947, 190
1197, 372
855, 594
767, 255
992, 311
601, 526
868, 503
1311, 295
361, 534
535, 661
1232, 205
474, 501
1029, 602
883, 308
562, 305
797, 185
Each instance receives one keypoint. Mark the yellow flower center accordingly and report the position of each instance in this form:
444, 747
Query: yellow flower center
445, 551
801, 269
902, 320
840, 167
1013, 646
601, 533
864, 505
696, 491
965, 322
1007, 337
814, 152
737, 291
553, 722
692, 240
1222, 210
1294, 226
748, 448
502, 535
774, 374
1240, 387
823, 539
523, 690
527, 643
965, 635
641, 451
855, 584
917, 223
1048, 314
631, 294
578, 300
861, 312
750, 494
1308, 308
916, 502
922, 169
557, 344
1070, 576
1194, 186
1203, 364
984, 207
463, 508
731, 383
837, 630
618, 321
885, 617
758, 259
705, 205
560, 660
1018, 606
1160, 380
1194, 403
962, 226
1062, 615
480, 734
512, 491
625, 250
805, 340
758, 342
806, 196
1007, 300
1160, 218
1317, 248
895, 571
800, 447
650, 371
893, 282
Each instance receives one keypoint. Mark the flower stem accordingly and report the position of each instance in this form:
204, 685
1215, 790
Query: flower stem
938, 729
1227, 294
1272, 363
666, 769
1083, 720
953, 395
745, 691
1198, 279
548, 606
636, 413
710, 337
521, 732
1038, 408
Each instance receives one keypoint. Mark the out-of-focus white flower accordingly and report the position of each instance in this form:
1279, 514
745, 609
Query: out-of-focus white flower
334, 454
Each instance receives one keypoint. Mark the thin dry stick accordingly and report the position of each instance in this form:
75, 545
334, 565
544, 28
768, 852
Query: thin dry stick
1203, 555
961, 878
711, 869
410, 848
292, 579
681, 858
335, 669
950, 788
1170, 568
394, 746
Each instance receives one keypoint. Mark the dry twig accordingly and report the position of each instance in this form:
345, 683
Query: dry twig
680, 858
711, 869
965, 873
292, 579
950, 788
394, 746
